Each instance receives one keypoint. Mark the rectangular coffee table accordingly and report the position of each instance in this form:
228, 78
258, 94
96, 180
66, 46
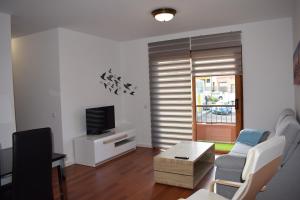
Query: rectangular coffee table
184, 173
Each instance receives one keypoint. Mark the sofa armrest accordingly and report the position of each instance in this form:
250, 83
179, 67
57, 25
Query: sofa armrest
231, 162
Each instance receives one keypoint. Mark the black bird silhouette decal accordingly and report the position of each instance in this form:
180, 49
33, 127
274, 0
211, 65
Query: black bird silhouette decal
127, 86
110, 77
113, 83
117, 83
103, 75
116, 91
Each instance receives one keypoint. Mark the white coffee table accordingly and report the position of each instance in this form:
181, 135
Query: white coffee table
180, 172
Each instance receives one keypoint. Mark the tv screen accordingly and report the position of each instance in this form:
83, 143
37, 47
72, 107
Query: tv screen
100, 120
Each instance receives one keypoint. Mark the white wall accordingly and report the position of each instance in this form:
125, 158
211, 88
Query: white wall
136, 109
56, 75
296, 40
7, 112
267, 65
82, 59
36, 83
62, 68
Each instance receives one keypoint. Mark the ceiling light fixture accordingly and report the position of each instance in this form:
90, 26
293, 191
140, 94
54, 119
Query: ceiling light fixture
164, 14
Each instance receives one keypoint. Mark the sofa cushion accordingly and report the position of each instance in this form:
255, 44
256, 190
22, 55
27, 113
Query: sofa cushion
272, 133
285, 113
265, 136
229, 168
240, 149
252, 137
230, 175
290, 128
231, 162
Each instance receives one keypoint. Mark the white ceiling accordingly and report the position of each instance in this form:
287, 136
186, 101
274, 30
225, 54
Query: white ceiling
131, 19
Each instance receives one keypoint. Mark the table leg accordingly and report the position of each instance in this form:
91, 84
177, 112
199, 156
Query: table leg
62, 183
62, 167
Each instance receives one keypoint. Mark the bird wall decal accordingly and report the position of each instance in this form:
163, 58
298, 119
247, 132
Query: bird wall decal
113, 82
110, 77
116, 82
127, 86
116, 91
103, 76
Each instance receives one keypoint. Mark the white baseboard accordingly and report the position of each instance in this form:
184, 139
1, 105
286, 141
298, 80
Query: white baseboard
144, 145
69, 163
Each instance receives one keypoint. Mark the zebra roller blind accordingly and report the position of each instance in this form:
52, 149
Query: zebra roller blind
217, 54
171, 74
170, 91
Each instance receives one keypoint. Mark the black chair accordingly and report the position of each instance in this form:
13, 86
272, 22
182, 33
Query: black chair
32, 165
5, 190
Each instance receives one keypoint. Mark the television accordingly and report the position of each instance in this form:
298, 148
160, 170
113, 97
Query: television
100, 120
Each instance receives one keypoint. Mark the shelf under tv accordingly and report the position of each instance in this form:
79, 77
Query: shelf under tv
92, 150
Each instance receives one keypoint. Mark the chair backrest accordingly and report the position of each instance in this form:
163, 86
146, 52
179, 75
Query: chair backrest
262, 163
32, 165
0, 170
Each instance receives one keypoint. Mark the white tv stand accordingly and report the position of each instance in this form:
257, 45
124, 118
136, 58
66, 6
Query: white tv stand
92, 150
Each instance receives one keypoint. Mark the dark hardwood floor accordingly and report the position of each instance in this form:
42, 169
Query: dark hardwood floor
125, 178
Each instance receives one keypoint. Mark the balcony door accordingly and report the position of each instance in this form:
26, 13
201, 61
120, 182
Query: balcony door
217, 107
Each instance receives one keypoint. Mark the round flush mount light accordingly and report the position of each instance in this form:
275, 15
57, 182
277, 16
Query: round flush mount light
164, 14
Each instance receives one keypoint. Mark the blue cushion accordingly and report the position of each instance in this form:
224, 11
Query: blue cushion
250, 136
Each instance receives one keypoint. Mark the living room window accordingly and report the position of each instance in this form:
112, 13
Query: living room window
217, 105
170, 91
195, 81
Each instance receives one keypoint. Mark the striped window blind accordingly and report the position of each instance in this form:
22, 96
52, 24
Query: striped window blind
218, 54
171, 72
170, 91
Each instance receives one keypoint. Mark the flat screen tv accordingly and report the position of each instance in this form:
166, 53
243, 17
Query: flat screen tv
100, 120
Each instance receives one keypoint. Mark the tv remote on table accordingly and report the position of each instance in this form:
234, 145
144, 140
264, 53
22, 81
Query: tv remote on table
182, 157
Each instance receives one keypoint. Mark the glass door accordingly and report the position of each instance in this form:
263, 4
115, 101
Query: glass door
217, 107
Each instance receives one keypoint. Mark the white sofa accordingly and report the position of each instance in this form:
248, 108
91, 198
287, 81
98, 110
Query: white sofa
230, 166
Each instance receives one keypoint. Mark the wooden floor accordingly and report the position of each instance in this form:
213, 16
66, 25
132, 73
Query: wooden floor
125, 178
